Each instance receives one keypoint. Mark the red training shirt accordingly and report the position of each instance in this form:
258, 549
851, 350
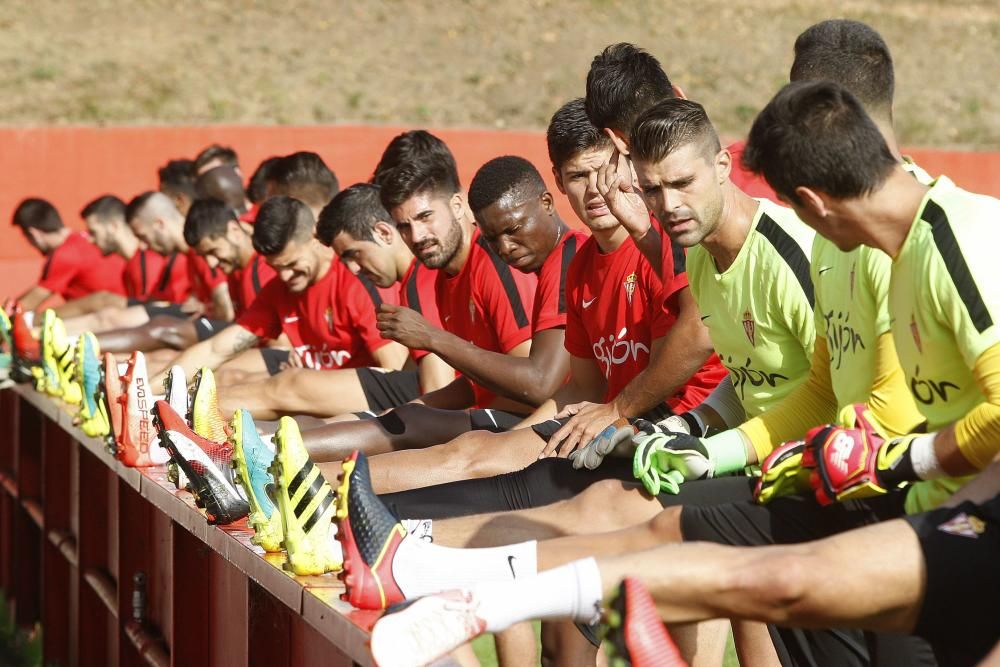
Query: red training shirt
747, 181
614, 313
77, 268
486, 303
550, 296
416, 291
331, 323
142, 270
246, 283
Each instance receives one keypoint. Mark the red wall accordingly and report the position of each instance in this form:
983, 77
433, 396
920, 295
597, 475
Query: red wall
72, 165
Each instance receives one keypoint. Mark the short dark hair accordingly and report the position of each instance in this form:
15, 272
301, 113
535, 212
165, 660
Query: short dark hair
817, 135
206, 218
138, 203
177, 178
281, 219
36, 213
414, 162
502, 175
211, 152
669, 125
571, 133
624, 81
306, 177
851, 53
354, 211
106, 208
224, 184
257, 186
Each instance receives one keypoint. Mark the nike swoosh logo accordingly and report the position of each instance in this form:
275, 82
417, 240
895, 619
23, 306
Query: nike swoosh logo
446, 318
587, 304
705, 317
290, 320
510, 564
824, 270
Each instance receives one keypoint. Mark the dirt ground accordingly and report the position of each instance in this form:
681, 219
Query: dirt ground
474, 63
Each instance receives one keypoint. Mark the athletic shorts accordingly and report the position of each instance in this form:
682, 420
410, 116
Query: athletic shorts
205, 328
548, 428
960, 616
388, 389
494, 421
796, 519
275, 359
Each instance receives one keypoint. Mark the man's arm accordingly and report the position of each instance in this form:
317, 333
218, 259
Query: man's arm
529, 373
213, 352
34, 297
674, 358
392, 356
434, 373
222, 303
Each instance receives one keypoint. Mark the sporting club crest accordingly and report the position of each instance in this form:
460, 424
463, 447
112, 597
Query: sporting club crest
750, 327
630, 282
328, 316
964, 525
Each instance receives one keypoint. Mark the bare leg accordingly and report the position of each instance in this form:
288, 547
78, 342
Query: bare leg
246, 367
471, 455
562, 644
297, 391
90, 303
406, 427
787, 585
163, 331
107, 319
516, 646
603, 507
753, 644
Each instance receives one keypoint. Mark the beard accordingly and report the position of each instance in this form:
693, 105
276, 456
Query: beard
441, 251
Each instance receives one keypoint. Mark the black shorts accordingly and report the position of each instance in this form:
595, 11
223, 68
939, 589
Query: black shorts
548, 428
793, 520
205, 328
494, 421
275, 359
388, 389
960, 616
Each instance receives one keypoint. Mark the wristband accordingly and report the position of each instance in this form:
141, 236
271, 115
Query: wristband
728, 451
924, 458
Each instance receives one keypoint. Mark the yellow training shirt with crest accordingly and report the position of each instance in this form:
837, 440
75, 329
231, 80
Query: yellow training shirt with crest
944, 298
759, 311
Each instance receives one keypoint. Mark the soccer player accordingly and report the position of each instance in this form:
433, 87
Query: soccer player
622, 83
74, 267
215, 155
327, 312
176, 181
305, 177
105, 220
225, 184
187, 285
214, 231
910, 572
362, 233
477, 295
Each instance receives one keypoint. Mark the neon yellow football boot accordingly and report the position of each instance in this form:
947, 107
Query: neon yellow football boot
306, 504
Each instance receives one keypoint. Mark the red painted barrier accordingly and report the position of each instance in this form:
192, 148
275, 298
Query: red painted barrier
71, 165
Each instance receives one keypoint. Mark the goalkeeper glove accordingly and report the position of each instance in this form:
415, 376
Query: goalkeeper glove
617, 438
856, 461
663, 461
782, 473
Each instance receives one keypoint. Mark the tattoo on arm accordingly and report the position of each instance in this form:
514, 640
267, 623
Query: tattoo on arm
243, 341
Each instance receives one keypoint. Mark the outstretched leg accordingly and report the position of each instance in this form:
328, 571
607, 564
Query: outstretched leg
297, 391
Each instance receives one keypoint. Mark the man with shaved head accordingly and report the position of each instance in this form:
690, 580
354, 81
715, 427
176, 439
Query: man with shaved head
225, 184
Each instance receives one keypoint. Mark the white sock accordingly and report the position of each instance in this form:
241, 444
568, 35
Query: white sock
421, 568
571, 591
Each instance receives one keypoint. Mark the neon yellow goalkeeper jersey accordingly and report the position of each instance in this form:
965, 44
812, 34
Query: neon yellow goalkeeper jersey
852, 309
944, 297
759, 311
